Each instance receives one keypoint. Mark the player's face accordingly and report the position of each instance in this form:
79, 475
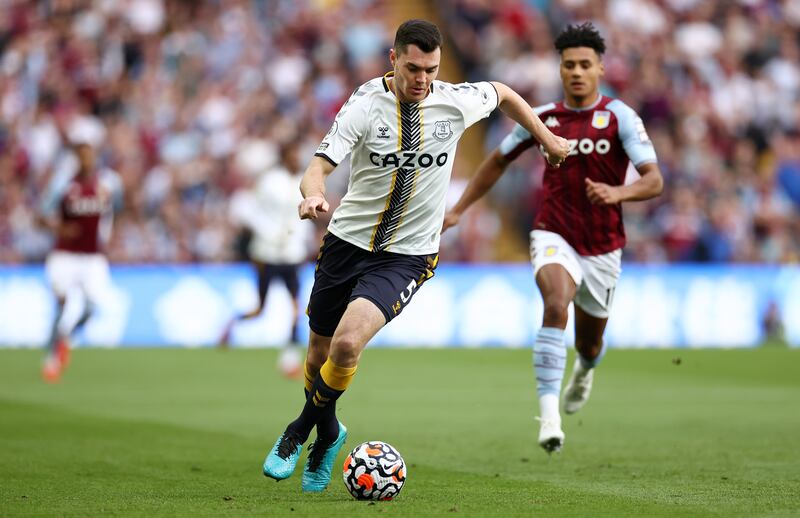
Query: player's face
581, 71
414, 71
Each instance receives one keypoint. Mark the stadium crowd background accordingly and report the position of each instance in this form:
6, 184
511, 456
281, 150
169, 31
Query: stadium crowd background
190, 101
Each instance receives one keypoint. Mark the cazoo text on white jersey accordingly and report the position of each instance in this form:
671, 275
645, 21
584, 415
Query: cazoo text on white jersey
402, 157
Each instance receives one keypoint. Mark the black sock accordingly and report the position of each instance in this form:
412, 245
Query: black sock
87, 312
317, 406
295, 334
328, 426
51, 343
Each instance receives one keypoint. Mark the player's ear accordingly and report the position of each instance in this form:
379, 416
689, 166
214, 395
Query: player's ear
392, 57
601, 67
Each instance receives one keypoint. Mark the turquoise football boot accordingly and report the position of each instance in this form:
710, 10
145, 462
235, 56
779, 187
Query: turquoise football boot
282, 459
321, 456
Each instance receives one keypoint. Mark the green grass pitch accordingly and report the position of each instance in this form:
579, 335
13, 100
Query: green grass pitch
184, 432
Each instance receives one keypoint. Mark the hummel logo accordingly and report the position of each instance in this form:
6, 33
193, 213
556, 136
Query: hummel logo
551, 122
383, 132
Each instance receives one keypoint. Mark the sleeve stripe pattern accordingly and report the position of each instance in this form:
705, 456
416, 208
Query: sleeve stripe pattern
403, 180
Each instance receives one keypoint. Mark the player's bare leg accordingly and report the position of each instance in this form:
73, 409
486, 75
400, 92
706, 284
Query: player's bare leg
263, 287
589, 345
52, 366
549, 353
290, 360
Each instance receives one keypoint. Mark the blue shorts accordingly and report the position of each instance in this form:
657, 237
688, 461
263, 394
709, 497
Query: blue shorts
345, 272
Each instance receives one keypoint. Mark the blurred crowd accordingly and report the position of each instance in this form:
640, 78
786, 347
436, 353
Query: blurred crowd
187, 101
190, 101
718, 86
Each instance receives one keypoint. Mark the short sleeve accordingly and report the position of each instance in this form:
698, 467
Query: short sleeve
635, 141
112, 182
55, 191
476, 100
346, 130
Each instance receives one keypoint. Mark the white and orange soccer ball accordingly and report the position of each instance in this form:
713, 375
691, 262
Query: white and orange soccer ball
374, 470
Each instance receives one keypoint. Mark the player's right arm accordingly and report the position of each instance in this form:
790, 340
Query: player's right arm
484, 178
312, 187
346, 130
48, 214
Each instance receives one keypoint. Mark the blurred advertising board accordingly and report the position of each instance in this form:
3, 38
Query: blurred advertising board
462, 306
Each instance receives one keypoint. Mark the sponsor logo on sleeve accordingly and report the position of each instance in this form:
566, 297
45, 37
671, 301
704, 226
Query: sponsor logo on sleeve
643, 136
333, 130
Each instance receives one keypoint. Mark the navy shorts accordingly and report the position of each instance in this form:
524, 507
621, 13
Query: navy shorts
345, 272
285, 272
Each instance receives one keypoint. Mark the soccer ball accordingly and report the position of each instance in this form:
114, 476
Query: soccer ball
374, 470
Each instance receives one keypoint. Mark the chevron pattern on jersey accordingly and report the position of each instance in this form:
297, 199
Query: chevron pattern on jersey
404, 181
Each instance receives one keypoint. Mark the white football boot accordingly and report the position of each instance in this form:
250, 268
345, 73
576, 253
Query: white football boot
579, 386
551, 437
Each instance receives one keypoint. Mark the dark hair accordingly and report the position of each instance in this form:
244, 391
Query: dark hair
584, 35
421, 33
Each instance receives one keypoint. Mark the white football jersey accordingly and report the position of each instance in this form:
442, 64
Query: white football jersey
402, 157
270, 211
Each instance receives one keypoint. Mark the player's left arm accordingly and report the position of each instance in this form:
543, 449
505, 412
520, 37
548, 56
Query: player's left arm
650, 185
640, 150
513, 105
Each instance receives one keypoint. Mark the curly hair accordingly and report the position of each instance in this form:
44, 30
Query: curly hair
584, 35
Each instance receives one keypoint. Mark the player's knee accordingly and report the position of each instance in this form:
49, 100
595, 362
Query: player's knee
589, 349
556, 311
346, 349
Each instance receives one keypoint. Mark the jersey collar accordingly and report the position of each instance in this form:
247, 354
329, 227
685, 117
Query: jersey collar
389, 75
591, 107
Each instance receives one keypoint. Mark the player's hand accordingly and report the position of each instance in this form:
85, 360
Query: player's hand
68, 230
601, 193
311, 206
556, 150
451, 219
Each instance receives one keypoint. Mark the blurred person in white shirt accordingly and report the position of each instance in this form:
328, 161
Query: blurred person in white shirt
279, 243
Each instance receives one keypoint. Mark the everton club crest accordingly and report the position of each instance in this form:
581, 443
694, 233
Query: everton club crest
442, 130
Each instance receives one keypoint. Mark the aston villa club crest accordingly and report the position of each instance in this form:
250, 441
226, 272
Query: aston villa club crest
442, 130
600, 119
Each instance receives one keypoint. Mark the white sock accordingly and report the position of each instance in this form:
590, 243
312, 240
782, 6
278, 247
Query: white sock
548, 407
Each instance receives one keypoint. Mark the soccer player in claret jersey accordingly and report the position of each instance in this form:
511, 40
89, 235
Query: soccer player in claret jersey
382, 242
77, 206
577, 237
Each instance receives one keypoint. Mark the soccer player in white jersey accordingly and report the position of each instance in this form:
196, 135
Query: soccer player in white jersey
382, 242
577, 237
279, 245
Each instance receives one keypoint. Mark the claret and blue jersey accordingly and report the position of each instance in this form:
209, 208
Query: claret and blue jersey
603, 139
